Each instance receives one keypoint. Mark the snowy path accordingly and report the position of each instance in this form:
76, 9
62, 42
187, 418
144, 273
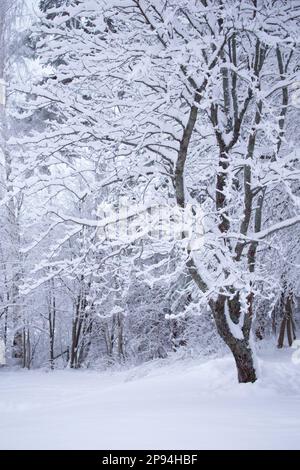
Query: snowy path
162, 405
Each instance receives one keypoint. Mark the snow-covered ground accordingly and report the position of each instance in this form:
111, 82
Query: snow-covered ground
187, 404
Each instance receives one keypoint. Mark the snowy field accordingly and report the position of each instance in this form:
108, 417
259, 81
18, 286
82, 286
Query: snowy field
185, 404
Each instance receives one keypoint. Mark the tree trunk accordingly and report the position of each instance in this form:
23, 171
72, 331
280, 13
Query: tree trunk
287, 323
239, 347
52, 322
86, 339
81, 327
121, 352
17, 348
244, 361
76, 331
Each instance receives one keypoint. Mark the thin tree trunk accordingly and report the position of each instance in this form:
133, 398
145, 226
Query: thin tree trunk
287, 323
121, 352
52, 323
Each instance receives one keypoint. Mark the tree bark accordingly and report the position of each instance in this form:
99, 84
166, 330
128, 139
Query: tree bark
244, 362
287, 323
240, 348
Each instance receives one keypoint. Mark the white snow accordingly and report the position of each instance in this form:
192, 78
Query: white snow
235, 328
187, 404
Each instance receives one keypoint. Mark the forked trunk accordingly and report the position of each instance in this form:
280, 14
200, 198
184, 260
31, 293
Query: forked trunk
236, 337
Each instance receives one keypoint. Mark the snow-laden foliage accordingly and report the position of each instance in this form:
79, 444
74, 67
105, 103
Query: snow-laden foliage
156, 156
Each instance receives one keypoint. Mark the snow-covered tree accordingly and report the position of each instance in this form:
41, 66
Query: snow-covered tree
177, 104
